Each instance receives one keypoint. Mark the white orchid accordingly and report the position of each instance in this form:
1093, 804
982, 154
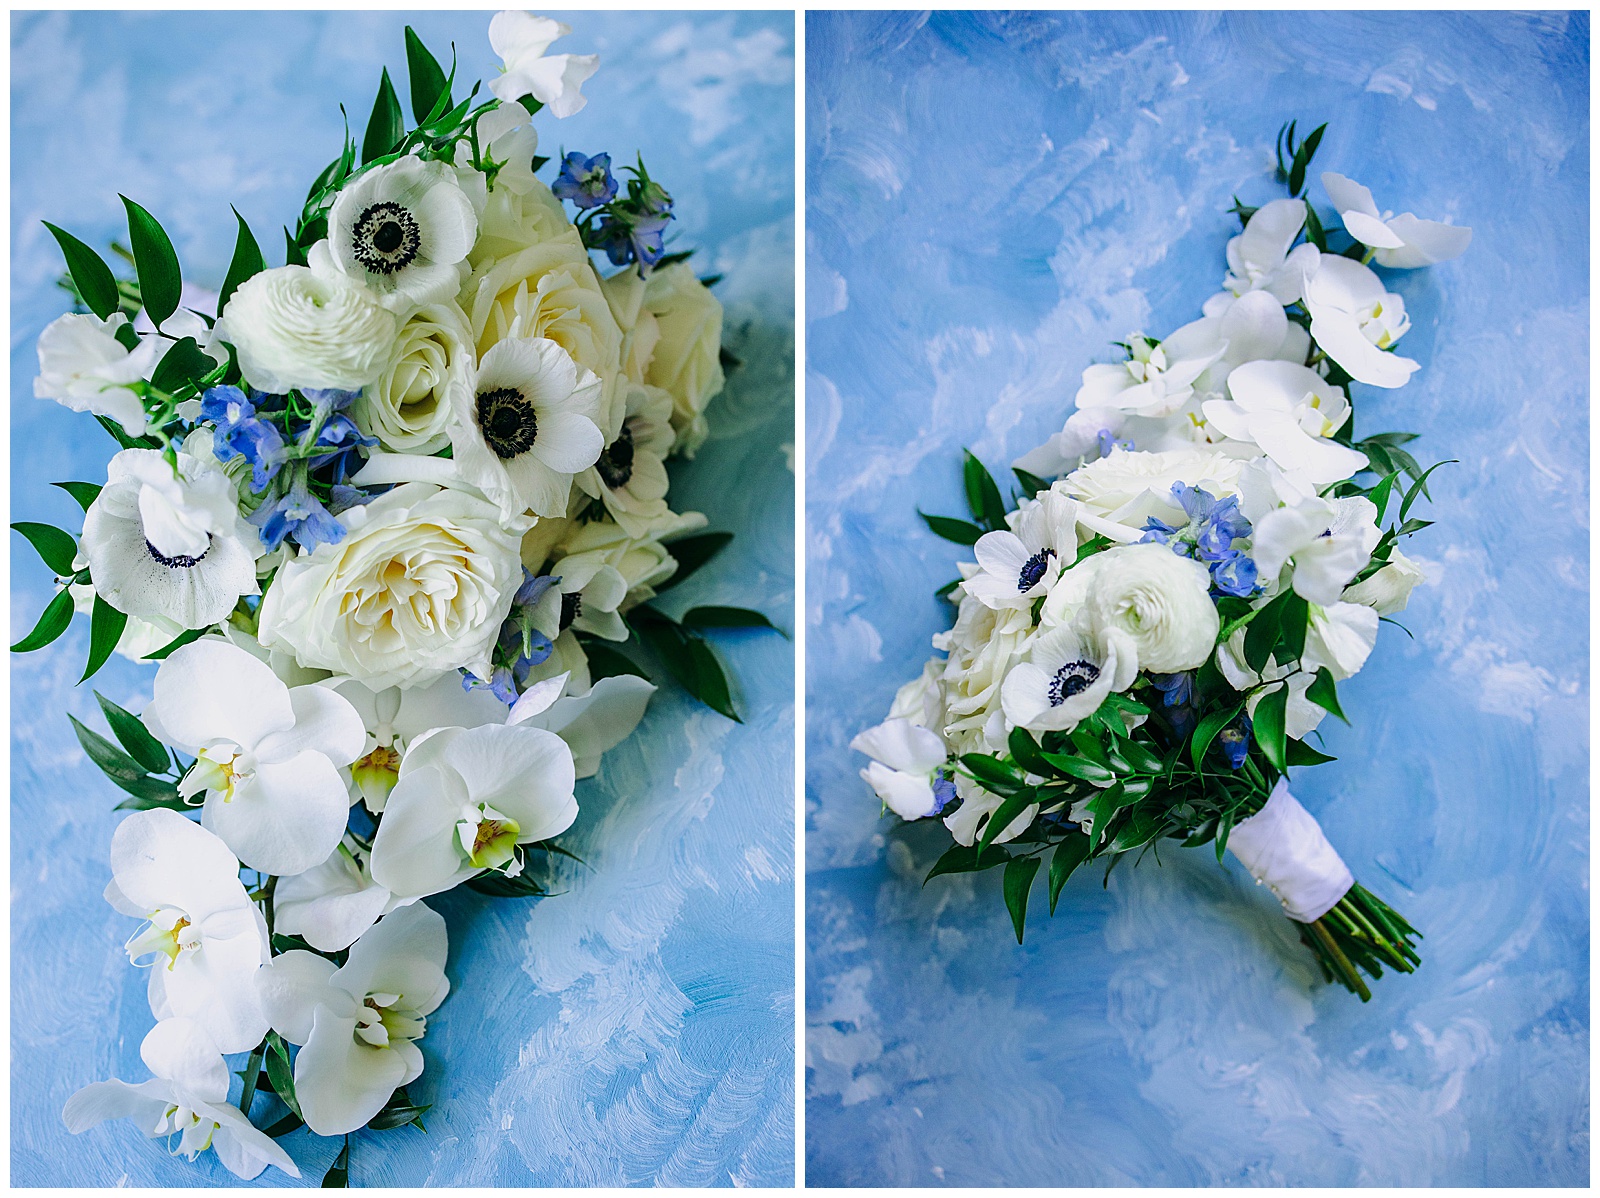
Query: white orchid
555, 80
1259, 259
1328, 540
204, 939
1289, 412
84, 367
1355, 321
905, 768
466, 798
358, 1024
1339, 638
1021, 564
267, 756
187, 1097
331, 904
1066, 677
1157, 377
1402, 242
592, 723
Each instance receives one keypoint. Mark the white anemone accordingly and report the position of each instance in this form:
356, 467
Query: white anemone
466, 798
585, 597
187, 1097
1401, 242
630, 477
404, 229
1017, 567
205, 939
358, 1024
267, 756
1066, 678
1356, 321
169, 546
906, 757
529, 426
1290, 412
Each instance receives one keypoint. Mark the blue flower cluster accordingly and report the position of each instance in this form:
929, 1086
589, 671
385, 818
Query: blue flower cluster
586, 182
1235, 742
631, 228
1177, 700
1208, 536
521, 645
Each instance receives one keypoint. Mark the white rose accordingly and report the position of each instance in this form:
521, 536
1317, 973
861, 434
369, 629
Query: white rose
83, 366
983, 646
688, 352
640, 329
1162, 601
293, 328
408, 407
419, 586
1118, 492
1388, 590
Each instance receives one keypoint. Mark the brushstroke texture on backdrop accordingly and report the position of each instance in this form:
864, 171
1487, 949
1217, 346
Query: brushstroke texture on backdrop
638, 1028
994, 199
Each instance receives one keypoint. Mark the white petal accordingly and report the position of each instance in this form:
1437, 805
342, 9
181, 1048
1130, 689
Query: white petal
567, 442
1254, 327
908, 796
595, 723
415, 852
403, 954
144, 1103
1369, 230
325, 722
212, 690
1289, 445
1426, 242
1002, 554
243, 1149
330, 904
1348, 195
525, 772
1342, 340
1343, 283
160, 858
1275, 225
215, 987
181, 1051
342, 1082
903, 745
292, 986
286, 818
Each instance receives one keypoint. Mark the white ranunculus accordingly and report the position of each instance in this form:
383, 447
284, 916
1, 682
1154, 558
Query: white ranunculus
527, 426
83, 366
187, 1097
357, 1024
169, 545
906, 758
295, 328
267, 756
1066, 678
1259, 259
403, 230
408, 407
419, 586
1160, 600
1401, 242
593, 723
1328, 540
555, 80
687, 358
1388, 589
630, 477
1290, 412
466, 798
1117, 493
205, 939
1355, 321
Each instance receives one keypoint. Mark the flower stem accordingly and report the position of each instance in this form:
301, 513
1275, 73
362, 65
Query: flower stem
1361, 933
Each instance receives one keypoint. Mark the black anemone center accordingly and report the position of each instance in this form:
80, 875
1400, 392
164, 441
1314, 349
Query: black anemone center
571, 608
181, 562
616, 463
1033, 570
386, 238
507, 421
1072, 679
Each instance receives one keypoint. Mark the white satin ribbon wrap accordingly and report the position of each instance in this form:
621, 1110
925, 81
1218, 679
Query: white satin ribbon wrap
1283, 846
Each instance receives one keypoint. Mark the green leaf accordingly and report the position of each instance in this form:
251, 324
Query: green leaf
387, 124
1206, 732
290, 1122
1315, 233
280, 1074
1379, 495
51, 624
247, 262
1018, 881
183, 363
1301, 753
1102, 807
1302, 159
958, 531
992, 774
1070, 853
338, 1174
1411, 526
134, 736
167, 650
497, 885
1079, 767
1001, 818
151, 792
983, 496
90, 274
727, 617
121, 437
1263, 633
1325, 694
113, 762
427, 79
693, 552
251, 1073
1141, 757
293, 255
105, 630
398, 1115
711, 684
84, 493
160, 279
1421, 487
1292, 621
1025, 752
605, 662
965, 859
1031, 483
1269, 726
946, 590
53, 544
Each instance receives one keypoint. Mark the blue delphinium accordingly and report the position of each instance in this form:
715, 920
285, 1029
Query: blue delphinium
298, 514
500, 683
1177, 698
1235, 574
586, 182
634, 239
341, 437
1108, 442
1213, 526
1235, 742
944, 793
240, 432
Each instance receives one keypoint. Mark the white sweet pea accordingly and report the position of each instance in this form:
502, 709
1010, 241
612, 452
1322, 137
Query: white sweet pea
904, 771
967, 821
1356, 321
1290, 412
168, 544
205, 939
1066, 678
466, 798
1019, 566
267, 756
592, 723
358, 1024
1161, 601
521, 39
404, 230
331, 904
1259, 259
1388, 589
1328, 540
1401, 242
187, 1097
84, 367
1156, 379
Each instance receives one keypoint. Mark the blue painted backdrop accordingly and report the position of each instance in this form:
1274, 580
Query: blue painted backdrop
638, 1028
992, 200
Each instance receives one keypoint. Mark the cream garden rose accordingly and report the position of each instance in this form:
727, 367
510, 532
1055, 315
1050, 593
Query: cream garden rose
408, 406
1162, 601
419, 585
1118, 492
687, 359
294, 328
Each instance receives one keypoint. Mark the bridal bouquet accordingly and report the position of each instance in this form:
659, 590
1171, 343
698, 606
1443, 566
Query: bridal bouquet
1143, 644
389, 521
